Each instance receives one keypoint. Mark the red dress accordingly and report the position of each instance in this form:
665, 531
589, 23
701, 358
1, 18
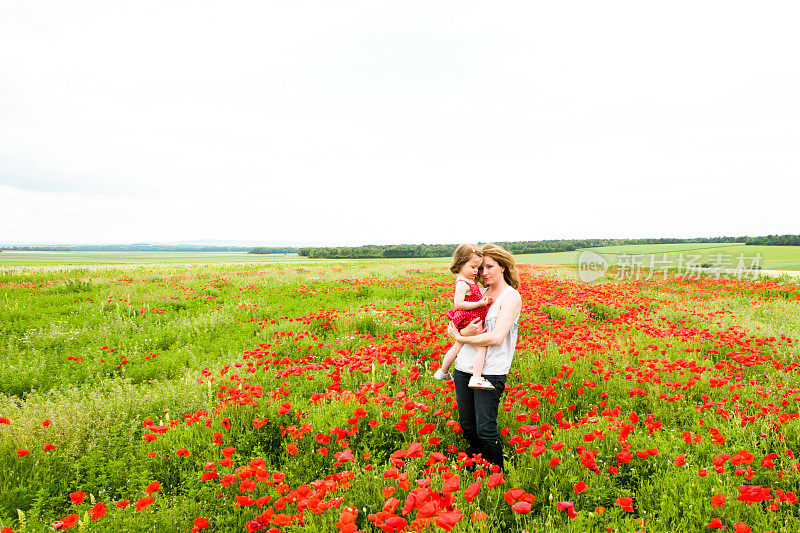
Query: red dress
462, 317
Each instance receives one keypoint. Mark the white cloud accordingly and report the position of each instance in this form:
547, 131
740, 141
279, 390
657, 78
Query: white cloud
355, 122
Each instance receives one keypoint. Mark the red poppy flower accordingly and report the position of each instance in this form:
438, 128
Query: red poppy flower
494, 480
342, 457
228, 451
569, 507
394, 523
282, 519
414, 450
718, 500
522, 507
77, 497
427, 510
68, 521
767, 461
98, 511
512, 495
753, 494
144, 502
209, 475
472, 490
587, 460
452, 484
244, 500
448, 520
626, 504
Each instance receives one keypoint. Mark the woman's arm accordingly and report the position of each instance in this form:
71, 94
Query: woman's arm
509, 309
466, 306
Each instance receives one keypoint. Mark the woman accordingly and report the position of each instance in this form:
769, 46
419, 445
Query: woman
477, 409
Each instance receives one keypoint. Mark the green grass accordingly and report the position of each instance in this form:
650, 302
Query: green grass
207, 323
773, 257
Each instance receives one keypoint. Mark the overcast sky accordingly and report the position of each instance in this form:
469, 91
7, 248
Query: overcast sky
386, 122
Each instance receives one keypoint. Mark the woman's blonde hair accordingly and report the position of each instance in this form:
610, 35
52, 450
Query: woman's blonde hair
462, 255
505, 260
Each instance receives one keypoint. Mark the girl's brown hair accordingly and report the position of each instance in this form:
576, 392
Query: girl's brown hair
505, 260
462, 255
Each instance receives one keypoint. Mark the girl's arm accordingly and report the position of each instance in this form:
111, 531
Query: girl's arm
460, 294
509, 309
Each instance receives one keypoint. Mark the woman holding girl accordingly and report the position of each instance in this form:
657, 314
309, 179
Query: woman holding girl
469, 303
478, 408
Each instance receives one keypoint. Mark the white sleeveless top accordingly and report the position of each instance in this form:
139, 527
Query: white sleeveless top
498, 358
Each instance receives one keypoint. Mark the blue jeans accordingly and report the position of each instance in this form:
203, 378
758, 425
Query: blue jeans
477, 414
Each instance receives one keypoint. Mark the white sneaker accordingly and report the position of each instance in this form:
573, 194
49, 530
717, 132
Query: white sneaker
479, 382
442, 376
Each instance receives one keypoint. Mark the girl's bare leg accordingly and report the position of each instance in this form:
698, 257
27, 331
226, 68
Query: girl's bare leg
451, 355
477, 381
478, 361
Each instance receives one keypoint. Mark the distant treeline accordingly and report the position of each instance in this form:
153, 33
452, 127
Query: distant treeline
273, 250
149, 248
775, 240
374, 251
522, 247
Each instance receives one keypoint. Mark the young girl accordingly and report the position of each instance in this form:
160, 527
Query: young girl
469, 304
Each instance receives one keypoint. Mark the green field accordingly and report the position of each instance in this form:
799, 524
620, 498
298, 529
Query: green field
298, 396
772, 257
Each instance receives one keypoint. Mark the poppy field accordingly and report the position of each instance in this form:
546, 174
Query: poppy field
299, 397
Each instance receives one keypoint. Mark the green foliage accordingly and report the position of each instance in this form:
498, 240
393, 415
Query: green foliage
214, 317
600, 311
273, 250
77, 286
